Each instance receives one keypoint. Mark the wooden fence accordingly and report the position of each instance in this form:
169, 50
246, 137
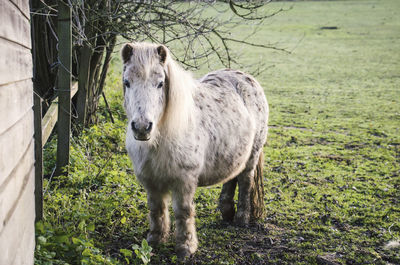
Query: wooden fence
59, 111
43, 129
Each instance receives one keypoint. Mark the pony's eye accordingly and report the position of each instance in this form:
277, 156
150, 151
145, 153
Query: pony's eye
126, 83
160, 85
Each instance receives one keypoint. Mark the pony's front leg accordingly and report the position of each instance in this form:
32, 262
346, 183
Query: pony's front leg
186, 238
159, 216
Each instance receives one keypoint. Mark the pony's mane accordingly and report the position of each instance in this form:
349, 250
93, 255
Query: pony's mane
181, 85
180, 103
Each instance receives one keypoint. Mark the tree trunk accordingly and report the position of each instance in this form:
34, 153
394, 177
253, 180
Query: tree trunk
84, 70
44, 51
95, 64
106, 63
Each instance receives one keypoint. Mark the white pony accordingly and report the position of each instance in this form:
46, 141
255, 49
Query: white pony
183, 133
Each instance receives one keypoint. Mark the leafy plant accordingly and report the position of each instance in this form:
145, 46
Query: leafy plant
143, 252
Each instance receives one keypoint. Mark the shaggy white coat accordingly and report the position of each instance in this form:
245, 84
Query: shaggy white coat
204, 132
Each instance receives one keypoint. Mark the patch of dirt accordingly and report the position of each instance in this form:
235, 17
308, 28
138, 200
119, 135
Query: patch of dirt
328, 259
252, 245
329, 27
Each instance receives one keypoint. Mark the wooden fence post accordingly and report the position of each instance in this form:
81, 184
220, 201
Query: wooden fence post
64, 85
37, 110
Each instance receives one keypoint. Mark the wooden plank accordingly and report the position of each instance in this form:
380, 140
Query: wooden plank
16, 101
13, 144
64, 31
49, 121
12, 187
23, 6
16, 62
50, 118
16, 130
37, 112
14, 25
20, 225
25, 250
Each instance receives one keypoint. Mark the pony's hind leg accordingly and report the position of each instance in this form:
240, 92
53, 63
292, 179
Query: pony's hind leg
183, 205
246, 183
226, 203
159, 216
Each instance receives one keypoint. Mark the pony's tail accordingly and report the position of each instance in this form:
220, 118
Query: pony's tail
257, 193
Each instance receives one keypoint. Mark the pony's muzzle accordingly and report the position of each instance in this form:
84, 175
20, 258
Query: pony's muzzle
141, 130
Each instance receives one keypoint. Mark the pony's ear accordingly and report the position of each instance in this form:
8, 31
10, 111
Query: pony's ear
126, 52
162, 52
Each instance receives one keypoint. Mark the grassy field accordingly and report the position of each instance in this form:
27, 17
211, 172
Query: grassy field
332, 161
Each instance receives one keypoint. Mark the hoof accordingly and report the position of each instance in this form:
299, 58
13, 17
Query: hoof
186, 249
227, 212
242, 219
156, 238
183, 253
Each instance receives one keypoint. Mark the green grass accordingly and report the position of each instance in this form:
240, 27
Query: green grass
332, 161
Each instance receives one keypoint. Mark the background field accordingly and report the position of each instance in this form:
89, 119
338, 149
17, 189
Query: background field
332, 161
